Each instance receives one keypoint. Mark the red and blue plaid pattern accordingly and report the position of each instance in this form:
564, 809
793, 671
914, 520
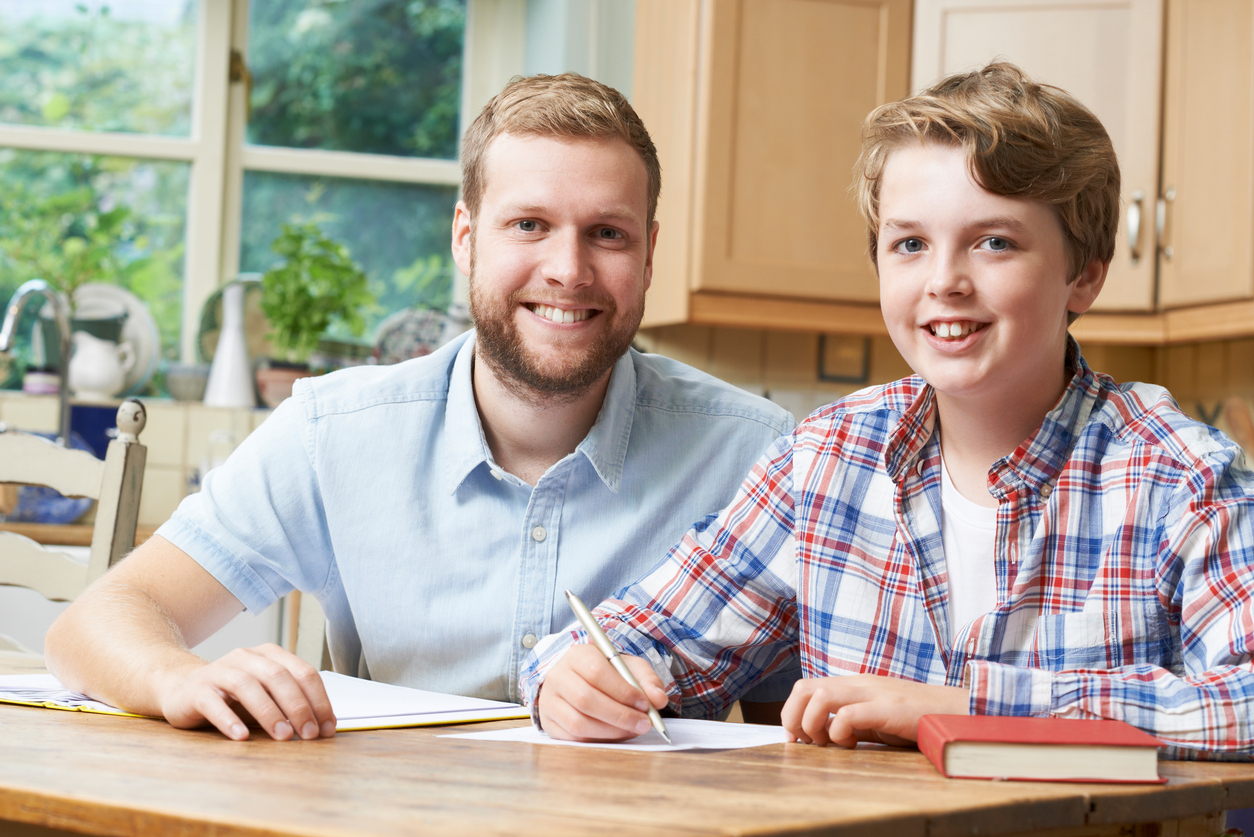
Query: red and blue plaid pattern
1124, 559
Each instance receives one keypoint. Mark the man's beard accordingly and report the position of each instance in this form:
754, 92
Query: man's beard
501, 346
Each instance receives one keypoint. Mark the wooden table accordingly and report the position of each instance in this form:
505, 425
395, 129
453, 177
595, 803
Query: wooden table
108, 775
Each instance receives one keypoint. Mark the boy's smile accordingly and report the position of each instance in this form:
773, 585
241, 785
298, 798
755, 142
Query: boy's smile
973, 285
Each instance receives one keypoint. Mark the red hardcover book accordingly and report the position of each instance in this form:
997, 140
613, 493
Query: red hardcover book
1038, 749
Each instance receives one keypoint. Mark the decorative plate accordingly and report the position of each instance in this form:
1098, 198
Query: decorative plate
255, 325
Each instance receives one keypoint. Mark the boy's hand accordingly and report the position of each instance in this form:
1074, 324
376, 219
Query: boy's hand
866, 707
584, 699
277, 689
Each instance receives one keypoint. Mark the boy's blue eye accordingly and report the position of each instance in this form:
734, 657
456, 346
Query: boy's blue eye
911, 245
995, 243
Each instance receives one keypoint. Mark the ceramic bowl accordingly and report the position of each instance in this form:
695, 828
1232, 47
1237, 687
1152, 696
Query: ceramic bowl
186, 381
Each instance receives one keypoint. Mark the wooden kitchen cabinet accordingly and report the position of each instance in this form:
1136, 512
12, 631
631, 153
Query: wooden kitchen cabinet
756, 106
1207, 246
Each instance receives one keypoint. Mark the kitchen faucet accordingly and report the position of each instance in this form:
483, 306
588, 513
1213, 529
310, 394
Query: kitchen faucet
62, 317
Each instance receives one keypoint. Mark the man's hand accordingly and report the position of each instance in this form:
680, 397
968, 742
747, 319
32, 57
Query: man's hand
866, 707
277, 689
584, 699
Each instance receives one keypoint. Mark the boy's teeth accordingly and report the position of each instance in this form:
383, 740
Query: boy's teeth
558, 315
957, 329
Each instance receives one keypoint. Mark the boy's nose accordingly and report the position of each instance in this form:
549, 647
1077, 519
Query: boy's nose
566, 261
950, 276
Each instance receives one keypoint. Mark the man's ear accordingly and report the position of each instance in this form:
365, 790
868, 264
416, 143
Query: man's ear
648, 261
1087, 286
462, 225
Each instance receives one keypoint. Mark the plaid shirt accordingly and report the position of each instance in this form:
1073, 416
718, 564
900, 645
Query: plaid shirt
1124, 559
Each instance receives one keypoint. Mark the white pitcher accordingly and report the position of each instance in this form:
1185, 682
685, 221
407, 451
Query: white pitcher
98, 367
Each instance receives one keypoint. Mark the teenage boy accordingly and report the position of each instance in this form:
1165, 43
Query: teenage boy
1005, 533
438, 508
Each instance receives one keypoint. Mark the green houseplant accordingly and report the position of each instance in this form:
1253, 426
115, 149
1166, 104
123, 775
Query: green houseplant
316, 285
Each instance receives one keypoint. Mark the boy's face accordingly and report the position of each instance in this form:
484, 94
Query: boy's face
973, 285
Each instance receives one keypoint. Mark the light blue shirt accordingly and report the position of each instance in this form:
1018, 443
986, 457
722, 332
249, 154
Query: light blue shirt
374, 490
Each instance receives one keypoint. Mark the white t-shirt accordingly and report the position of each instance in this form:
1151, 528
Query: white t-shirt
968, 533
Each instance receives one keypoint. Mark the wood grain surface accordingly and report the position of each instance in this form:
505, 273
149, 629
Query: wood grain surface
124, 776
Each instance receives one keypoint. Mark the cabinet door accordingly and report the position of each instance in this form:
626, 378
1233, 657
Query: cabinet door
1207, 251
786, 86
1106, 53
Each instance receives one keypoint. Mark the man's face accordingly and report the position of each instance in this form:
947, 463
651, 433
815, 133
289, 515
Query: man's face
559, 259
973, 285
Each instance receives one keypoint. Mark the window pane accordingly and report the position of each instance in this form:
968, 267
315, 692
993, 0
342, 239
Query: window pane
375, 76
70, 219
121, 65
397, 232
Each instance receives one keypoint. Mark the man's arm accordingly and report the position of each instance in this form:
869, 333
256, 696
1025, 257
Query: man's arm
126, 641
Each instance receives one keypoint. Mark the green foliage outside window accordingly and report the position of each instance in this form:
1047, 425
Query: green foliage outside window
90, 70
375, 76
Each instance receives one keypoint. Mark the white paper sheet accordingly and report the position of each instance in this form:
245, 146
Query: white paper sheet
358, 704
688, 734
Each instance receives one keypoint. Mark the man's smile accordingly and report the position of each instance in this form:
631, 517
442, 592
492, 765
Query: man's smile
560, 315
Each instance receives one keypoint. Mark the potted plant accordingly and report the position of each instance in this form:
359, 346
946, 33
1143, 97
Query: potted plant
315, 286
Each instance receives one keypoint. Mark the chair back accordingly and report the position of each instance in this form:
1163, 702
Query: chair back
115, 483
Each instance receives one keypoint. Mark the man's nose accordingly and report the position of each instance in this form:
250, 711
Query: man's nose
566, 261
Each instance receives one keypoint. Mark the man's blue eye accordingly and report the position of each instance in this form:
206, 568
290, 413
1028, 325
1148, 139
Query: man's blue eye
527, 226
609, 233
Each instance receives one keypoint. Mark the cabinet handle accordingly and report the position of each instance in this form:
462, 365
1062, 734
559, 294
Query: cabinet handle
1134, 225
1160, 221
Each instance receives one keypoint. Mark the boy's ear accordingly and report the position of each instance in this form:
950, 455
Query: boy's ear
1087, 286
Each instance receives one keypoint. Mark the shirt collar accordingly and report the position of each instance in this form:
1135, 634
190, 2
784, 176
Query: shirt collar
1036, 462
464, 441
605, 446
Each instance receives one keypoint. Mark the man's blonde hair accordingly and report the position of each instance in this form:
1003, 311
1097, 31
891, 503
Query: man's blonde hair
566, 106
1022, 139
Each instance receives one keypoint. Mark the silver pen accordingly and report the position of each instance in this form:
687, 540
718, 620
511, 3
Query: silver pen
602, 642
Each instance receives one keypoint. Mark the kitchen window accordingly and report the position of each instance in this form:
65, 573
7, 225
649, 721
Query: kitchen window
210, 123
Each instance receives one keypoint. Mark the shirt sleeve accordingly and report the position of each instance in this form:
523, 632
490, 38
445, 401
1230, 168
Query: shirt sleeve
719, 613
1204, 705
257, 525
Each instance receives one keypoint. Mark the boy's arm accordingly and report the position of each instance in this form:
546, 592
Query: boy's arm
717, 614
125, 641
1206, 580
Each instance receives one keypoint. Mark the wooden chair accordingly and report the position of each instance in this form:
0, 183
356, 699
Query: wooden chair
307, 631
114, 482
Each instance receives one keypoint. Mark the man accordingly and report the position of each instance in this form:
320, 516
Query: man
438, 508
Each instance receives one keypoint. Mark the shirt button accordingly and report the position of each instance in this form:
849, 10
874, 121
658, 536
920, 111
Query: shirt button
971, 645
1046, 491
529, 641
918, 469
497, 474
538, 533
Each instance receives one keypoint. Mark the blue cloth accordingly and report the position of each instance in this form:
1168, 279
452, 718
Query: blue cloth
373, 488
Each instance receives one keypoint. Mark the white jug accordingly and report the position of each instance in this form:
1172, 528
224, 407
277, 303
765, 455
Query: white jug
98, 367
